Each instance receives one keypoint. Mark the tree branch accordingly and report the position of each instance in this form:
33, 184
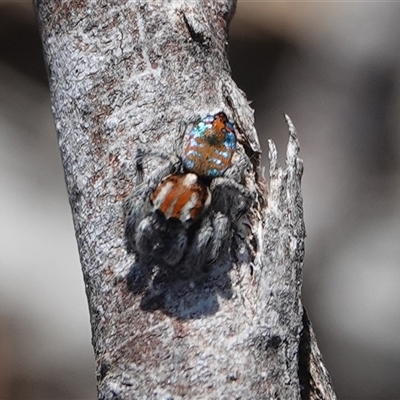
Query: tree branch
128, 72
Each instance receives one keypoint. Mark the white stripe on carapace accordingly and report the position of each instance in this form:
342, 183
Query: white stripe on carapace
178, 194
165, 189
189, 181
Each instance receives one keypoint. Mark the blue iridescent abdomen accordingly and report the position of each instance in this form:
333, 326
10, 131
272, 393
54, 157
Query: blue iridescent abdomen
210, 146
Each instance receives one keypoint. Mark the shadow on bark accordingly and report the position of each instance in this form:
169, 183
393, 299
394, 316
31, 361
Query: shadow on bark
167, 291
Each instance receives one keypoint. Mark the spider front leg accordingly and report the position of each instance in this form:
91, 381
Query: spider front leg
164, 240
221, 239
137, 207
196, 258
211, 240
139, 275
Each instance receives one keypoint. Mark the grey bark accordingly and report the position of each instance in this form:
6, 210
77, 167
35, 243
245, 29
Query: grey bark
127, 72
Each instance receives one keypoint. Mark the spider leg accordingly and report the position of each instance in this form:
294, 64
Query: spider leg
182, 139
239, 166
176, 249
137, 205
209, 243
134, 209
220, 239
196, 258
183, 125
234, 175
139, 275
172, 165
152, 238
225, 190
223, 184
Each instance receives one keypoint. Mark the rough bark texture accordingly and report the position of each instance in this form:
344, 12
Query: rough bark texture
128, 72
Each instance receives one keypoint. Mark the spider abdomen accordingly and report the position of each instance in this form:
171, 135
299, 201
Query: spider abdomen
183, 197
210, 146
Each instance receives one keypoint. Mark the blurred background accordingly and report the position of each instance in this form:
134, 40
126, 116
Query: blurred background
335, 69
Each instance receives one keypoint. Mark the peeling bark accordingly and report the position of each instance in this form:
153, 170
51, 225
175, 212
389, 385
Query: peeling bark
128, 72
